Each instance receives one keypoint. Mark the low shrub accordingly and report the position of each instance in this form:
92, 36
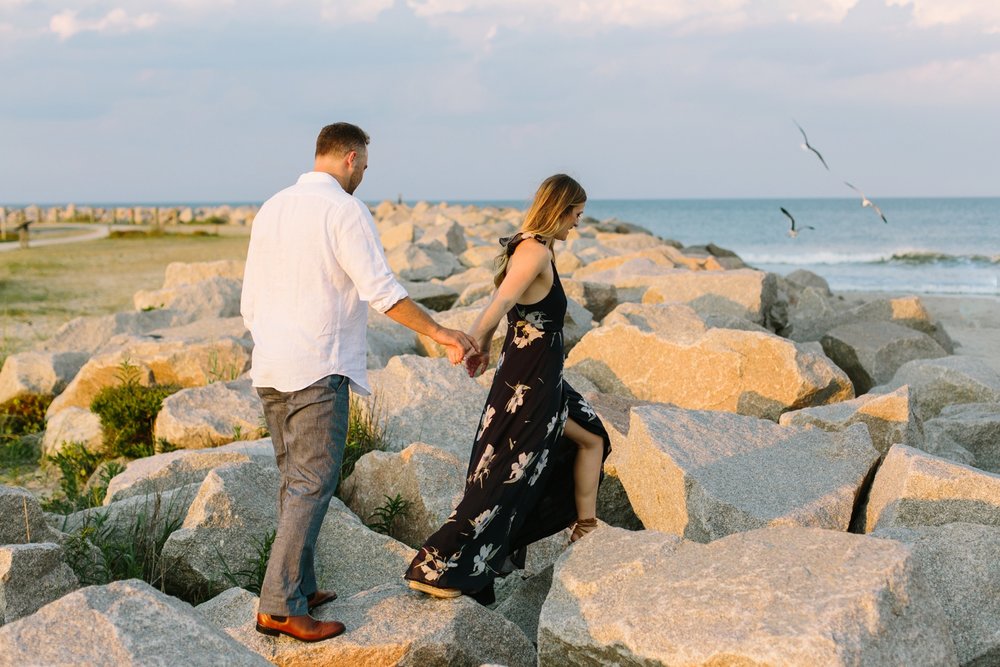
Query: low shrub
367, 431
128, 412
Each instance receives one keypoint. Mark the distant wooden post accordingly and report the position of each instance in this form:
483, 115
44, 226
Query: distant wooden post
3, 223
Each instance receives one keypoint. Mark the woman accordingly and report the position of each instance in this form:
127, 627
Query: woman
537, 457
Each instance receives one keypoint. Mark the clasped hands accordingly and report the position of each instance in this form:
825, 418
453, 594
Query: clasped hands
460, 346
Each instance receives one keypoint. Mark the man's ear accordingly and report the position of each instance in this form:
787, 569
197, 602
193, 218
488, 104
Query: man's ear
350, 158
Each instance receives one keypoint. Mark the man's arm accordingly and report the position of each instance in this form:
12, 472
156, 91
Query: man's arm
456, 343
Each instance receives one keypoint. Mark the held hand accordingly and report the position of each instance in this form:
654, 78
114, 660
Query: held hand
476, 364
457, 344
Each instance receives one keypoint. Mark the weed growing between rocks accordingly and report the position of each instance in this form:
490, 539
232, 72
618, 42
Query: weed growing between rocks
101, 549
384, 517
128, 412
251, 576
84, 478
367, 431
22, 420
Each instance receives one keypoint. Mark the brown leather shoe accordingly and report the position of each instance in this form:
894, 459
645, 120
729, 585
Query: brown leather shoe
320, 597
305, 628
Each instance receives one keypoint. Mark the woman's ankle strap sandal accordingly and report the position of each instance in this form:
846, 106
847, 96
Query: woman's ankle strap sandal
582, 527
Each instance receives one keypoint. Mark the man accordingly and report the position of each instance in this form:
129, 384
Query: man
314, 265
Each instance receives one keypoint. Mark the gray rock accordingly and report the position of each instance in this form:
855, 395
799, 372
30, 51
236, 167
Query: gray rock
480, 255
162, 472
212, 297
386, 625
681, 360
938, 383
191, 360
704, 475
31, 576
190, 273
397, 235
427, 400
871, 352
23, 520
422, 262
974, 428
433, 295
123, 623
386, 339
913, 488
959, 564
599, 298
523, 605
45, 373
775, 596
802, 278
449, 234
216, 414
429, 478
741, 293
889, 418
73, 425
88, 334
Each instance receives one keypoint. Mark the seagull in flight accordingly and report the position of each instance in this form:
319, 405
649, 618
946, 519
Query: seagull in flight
793, 232
865, 201
808, 146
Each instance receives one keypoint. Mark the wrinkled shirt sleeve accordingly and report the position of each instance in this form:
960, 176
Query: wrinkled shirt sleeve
359, 252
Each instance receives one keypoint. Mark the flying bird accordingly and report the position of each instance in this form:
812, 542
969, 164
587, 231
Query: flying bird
808, 146
865, 201
793, 232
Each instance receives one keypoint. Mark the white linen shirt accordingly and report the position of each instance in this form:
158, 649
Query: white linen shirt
314, 261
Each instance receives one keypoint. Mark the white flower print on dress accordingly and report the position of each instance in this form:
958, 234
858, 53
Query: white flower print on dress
433, 566
519, 467
536, 318
487, 418
480, 522
482, 470
539, 467
587, 410
481, 562
500, 361
552, 425
517, 400
525, 334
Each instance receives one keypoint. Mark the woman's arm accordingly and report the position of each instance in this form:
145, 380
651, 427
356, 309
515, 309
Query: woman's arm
526, 263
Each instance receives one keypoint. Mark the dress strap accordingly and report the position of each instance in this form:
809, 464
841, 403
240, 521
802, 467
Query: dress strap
510, 242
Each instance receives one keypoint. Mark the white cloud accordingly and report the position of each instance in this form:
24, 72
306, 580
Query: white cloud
66, 24
353, 11
985, 13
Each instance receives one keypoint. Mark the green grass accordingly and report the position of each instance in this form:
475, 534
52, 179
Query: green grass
367, 431
383, 519
251, 576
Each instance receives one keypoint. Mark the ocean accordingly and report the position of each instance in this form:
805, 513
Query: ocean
928, 246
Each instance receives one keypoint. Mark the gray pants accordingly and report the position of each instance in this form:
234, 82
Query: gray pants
309, 431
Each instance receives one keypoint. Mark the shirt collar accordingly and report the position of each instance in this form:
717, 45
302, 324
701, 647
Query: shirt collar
318, 177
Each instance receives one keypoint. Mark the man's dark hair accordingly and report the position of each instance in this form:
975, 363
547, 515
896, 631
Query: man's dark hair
340, 139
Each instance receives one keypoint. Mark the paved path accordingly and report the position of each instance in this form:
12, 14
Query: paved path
90, 232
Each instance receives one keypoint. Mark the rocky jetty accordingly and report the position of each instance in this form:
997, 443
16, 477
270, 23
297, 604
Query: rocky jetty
796, 479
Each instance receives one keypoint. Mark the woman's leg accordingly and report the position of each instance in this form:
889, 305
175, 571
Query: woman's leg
586, 469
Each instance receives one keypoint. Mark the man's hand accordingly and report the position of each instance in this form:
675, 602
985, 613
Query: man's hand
457, 344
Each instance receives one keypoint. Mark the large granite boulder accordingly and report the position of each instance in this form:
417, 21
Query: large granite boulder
667, 353
216, 414
123, 623
212, 297
132, 518
429, 478
523, 606
89, 333
23, 521
959, 565
427, 400
171, 470
448, 233
229, 522
188, 361
27, 373
599, 298
386, 625
938, 383
871, 352
73, 425
434, 295
704, 475
190, 273
914, 488
972, 428
31, 576
386, 339
741, 293
418, 261
774, 596
889, 418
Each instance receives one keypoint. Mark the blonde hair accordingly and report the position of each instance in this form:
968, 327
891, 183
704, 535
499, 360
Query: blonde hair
555, 197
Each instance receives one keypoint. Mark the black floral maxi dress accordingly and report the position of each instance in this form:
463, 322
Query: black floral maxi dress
519, 486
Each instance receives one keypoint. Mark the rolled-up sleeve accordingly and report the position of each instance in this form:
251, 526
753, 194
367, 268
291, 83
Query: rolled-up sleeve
359, 252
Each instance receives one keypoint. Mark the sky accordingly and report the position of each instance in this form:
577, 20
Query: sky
219, 100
